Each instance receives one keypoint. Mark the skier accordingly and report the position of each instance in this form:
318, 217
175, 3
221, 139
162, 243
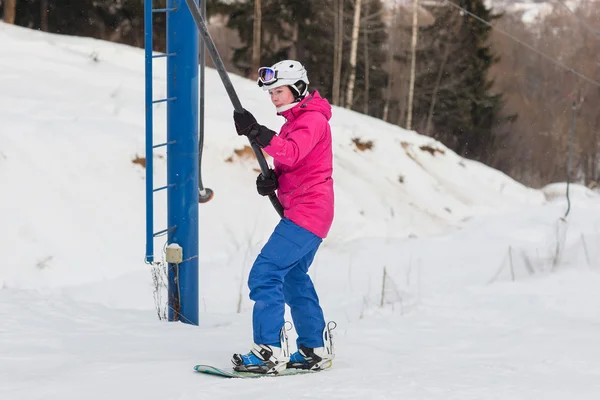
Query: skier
302, 154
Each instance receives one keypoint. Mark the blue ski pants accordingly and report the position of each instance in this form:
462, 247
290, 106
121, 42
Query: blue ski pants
279, 276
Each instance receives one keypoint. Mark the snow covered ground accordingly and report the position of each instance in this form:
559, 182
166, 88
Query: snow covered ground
488, 293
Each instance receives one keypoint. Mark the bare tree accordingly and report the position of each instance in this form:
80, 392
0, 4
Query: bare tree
397, 64
353, 52
543, 95
256, 42
413, 61
10, 10
390, 64
367, 64
44, 15
294, 46
338, 50
435, 91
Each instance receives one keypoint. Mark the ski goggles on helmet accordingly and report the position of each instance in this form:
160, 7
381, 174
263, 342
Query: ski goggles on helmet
268, 76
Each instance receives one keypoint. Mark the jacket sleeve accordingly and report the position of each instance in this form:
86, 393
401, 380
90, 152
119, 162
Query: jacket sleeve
298, 143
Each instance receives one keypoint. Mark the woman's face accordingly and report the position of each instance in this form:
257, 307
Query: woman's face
281, 96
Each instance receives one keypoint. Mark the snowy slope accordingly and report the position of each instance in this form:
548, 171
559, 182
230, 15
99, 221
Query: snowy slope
477, 301
72, 139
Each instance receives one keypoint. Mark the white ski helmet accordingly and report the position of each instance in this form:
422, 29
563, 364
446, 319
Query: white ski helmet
285, 73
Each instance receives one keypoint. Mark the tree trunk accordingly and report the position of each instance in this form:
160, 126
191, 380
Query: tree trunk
353, 51
390, 63
435, 92
294, 48
337, 51
44, 15
256, 40
336, 31
367, 66
595, 174
401, 105
413, 61
10, 10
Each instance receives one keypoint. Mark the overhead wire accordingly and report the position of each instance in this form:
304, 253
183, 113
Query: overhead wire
554, 61
530, 47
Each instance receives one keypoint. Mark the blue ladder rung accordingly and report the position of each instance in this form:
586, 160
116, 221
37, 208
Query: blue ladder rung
164, 100
163, 187
158, 10
163, 55
163, 231
163, 144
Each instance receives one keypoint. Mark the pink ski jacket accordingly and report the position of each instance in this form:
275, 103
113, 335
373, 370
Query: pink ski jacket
303, 160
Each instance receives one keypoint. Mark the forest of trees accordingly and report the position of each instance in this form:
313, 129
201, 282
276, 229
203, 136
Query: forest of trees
475, 89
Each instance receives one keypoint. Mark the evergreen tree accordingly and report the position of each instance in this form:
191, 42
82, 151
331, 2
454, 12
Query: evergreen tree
466, 110
114, 20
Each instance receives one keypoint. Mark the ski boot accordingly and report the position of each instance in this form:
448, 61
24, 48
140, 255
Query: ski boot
318, 358
264, 359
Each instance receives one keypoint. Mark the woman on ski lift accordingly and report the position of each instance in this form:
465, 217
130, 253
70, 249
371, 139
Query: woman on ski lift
303, 161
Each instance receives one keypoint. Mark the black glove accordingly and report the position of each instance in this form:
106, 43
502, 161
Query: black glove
244, 122
267, 185
261, 135
246, 125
